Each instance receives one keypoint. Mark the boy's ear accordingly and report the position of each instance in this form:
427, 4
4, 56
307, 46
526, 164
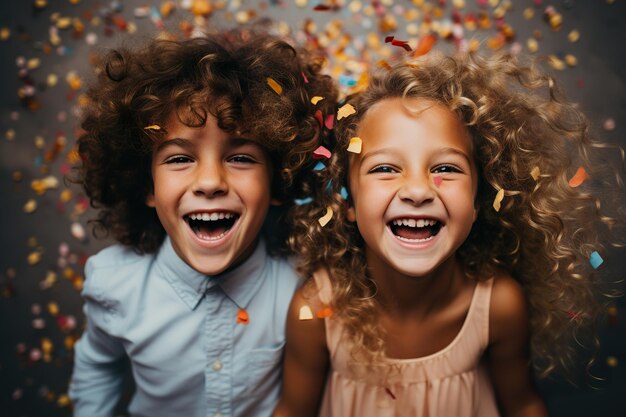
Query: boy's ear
150, 200
351, 214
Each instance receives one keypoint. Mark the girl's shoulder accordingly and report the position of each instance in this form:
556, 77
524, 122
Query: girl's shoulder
508, 309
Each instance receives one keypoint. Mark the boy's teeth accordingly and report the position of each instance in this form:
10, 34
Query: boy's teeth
414, 223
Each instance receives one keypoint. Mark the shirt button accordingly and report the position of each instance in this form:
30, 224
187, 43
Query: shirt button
217, 365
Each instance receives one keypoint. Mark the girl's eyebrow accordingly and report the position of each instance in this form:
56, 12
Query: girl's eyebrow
183, 143
455, 151
371, 154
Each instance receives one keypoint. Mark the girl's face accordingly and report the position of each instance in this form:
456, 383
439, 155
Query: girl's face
211, 193
413, 186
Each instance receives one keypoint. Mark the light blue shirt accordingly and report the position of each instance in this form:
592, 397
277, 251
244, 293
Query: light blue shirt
189, 355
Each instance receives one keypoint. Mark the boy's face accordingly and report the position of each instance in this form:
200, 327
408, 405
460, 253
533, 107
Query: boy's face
211, 193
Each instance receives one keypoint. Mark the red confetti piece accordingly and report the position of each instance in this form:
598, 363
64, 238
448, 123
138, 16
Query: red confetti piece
402, 44
388, 39
306, 80
329, 122
437, 180
242, 317
321, 153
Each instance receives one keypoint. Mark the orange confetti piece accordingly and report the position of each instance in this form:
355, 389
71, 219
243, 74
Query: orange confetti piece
316, 100
325, 312
345, 111
424, 45
355, 145
242, 317
323, 221
305, 313
278, 89
498, 200
535, 173
578, 178
152, 127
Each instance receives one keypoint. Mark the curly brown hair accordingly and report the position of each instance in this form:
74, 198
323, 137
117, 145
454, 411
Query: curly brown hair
543, 234
224, 74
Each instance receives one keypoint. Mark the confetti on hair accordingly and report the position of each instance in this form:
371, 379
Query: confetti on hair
152, 127
323, 221
278, 89
319, 166
319, 117
316, 99
303, 201
304, 77
498, 199
345, 111
437, 180
355, 145
321, 153
535, 173
595, 260
329, 122
325, 312
573, 315
242, 317
578, 178
395, 42
424, 45
344, 193
305, 313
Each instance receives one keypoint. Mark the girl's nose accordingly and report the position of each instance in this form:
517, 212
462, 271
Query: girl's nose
417, 189
210, 181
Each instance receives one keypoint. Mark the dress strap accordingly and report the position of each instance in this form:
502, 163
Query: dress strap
482, 303
322, 280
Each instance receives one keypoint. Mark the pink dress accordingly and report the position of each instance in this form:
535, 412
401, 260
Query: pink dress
450, 383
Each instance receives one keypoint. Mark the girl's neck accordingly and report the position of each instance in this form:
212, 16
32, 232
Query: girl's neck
402, 294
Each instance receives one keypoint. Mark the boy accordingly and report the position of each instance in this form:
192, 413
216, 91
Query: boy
186, 145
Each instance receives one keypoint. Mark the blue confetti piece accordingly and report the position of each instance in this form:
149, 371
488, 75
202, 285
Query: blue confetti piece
347, 80
302, 201
595, 260
344, 193
319, 167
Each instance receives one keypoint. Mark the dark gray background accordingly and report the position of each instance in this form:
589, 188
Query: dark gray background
36, 388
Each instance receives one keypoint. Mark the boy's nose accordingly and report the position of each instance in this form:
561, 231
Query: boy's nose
417, 189
210, 181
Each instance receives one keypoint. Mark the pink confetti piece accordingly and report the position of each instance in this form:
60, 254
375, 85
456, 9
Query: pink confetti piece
321, 153
437, 180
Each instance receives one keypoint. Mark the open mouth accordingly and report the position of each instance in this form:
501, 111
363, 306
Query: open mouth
415, 230
211, 226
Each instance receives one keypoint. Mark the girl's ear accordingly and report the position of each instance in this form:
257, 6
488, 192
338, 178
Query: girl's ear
351, 214
150, 200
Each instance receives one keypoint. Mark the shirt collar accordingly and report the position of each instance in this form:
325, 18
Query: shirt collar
239, 284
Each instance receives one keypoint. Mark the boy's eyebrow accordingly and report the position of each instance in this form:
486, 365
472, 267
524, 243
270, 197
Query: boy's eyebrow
456, 152
185, 143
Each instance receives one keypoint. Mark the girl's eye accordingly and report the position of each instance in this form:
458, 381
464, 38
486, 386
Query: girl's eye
242, 159
445, 169
382, 169
178, 159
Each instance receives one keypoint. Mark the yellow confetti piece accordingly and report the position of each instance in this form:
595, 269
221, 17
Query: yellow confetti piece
30, 206
316, 100
63, 400
612, 361
355, 145
305, 313
535, 173
323, 221
152, 127
242, 317
345, 111
573, 36
274, 86
53, 308
571, 60
34, 258
498, 199
578, 178
5, 34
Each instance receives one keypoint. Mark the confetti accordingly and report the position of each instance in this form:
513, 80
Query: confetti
316, 100
535, 173
438, 179
78, 231
303, 201
595, 260
609, 124
305, 313
345, 111
573, 36
319, 166
355, 145
242, 317
152, 127
612, 361
30, 206
274, 86
321, 153
324, 312
344, 193
578, 178
498, 199
329, 121
424, 45
323, 221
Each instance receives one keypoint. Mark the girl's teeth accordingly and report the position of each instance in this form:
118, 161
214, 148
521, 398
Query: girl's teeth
210, 216
414, 223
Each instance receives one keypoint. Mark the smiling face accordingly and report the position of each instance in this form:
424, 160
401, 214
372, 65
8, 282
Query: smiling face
211, 193
412, 186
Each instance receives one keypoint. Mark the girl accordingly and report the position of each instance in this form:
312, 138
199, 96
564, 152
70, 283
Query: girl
467, 244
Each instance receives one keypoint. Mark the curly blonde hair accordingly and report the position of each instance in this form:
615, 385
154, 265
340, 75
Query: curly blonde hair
226, 74
543, 234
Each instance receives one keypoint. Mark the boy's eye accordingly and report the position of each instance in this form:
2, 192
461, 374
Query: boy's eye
178, 159
382, 169
444, 169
